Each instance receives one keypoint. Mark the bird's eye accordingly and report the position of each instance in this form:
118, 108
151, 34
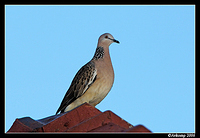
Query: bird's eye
106, 36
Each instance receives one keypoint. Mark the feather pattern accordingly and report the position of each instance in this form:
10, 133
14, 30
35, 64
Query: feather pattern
81, 82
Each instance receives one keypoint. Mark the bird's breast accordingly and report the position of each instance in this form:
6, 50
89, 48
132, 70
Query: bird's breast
103, 83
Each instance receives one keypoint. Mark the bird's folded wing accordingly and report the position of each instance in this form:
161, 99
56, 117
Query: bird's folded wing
81, 82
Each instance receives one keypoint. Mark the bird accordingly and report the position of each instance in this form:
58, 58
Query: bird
94, 80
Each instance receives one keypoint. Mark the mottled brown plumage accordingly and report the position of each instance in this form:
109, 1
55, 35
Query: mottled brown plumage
81, 82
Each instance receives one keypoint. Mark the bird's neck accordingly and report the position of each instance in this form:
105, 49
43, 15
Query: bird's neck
102, 54
102, 59
99, 53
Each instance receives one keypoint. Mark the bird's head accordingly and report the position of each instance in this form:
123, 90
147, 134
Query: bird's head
106, 39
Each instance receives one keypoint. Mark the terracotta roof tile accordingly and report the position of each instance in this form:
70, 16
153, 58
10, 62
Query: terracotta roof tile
110, 127
84, 118
138, 129
100, 120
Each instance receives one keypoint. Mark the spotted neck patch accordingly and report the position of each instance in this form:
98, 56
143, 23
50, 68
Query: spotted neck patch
99, 53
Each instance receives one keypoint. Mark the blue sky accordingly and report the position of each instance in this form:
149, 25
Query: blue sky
154, 63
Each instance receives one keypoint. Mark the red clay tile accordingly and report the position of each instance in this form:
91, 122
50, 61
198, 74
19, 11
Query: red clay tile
69, 119
99, 120
84, 118
110, 127
25, 124
139, 129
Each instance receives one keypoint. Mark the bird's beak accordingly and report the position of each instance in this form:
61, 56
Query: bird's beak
116, 41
